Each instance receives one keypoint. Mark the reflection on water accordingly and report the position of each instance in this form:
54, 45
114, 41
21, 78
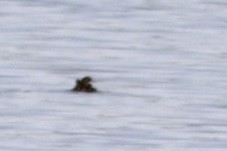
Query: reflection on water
160, 68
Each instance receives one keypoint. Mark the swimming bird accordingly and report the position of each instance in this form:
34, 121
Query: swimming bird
84, 85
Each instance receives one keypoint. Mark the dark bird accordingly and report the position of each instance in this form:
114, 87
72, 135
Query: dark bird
84, 85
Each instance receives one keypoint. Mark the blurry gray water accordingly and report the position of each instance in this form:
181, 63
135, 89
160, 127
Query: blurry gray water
160, 66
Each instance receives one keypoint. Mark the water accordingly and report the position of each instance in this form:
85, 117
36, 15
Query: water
160, 67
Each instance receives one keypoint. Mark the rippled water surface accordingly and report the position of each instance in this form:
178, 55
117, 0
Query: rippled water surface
160, 67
